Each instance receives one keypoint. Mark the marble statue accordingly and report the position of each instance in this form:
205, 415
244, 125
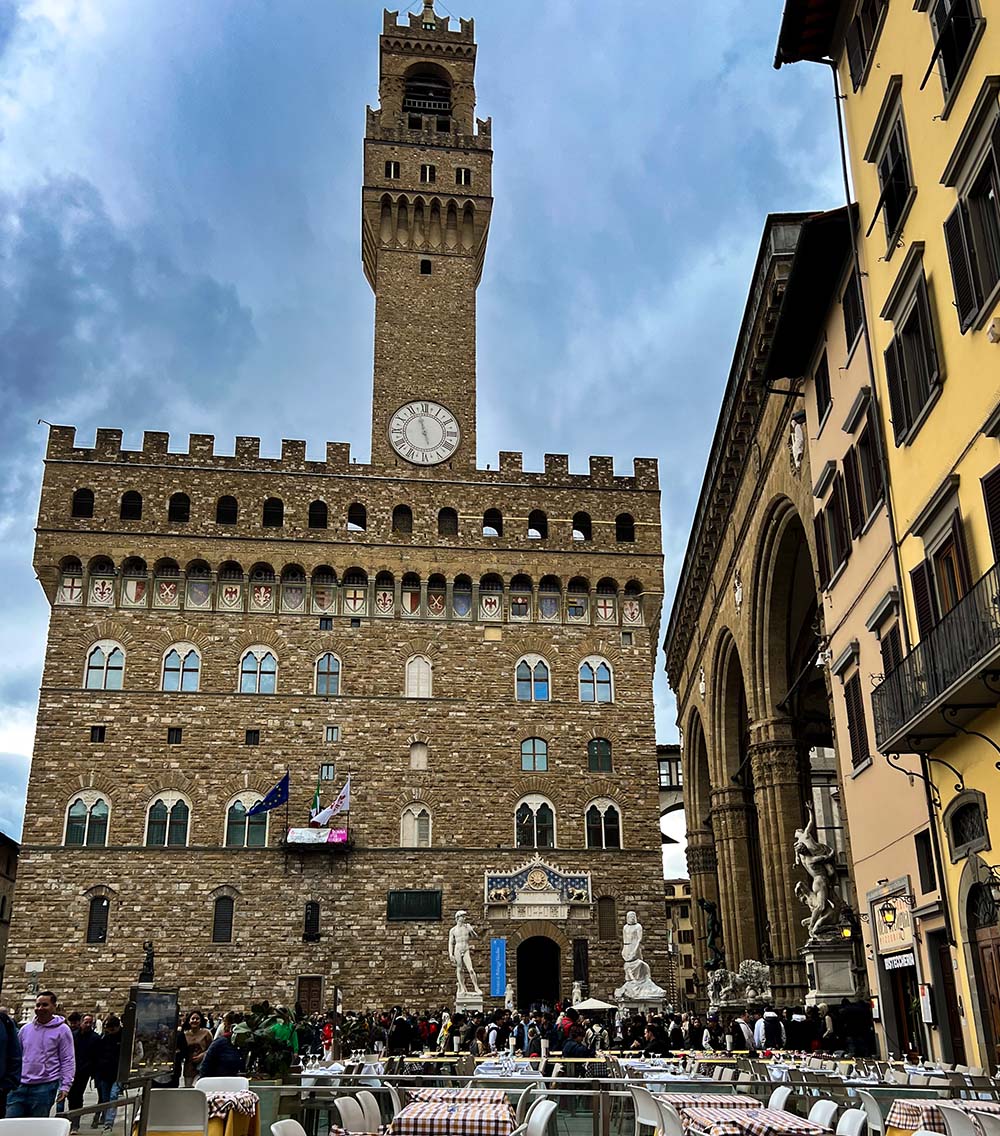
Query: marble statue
713, 933
816, 860
459, 943
577, 995
508, 997
738, 590
797, 444
639, 985
701, 684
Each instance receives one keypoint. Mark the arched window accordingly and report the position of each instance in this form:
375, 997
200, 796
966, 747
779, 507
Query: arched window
538, 525
419, 677
357, 518
328, 674
492, 523
87, 821
535, 823
273, 513
310, 922
415, 826
243, 831
604, 825
130, 508
532, 679
318, 515
534, 755
83, 503
167, 821
965, 824
258, 671
447, 523
402, 520
599, 755
624, 528
222, 919
227, 511
97, 919
582, 527
596, 680
420, 753
179, 509
105, 666
181, 667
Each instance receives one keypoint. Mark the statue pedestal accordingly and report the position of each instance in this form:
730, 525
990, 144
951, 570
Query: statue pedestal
641, 1005
468, 1003
829, 970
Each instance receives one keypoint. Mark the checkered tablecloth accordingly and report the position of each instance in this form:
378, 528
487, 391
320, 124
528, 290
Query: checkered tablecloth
219, 1104
749, 1122
684, 1101
459, 1118
465, 1095
915, 1112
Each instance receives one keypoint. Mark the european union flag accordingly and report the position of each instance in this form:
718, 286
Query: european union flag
275, 797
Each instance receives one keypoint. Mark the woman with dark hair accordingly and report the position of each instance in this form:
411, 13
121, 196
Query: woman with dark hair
198, 1040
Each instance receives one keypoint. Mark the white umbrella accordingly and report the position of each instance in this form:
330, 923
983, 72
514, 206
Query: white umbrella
593, 1004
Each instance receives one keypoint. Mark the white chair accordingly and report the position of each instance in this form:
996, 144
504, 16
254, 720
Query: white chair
873, 1112
781, 1098
957, 1122
670, 1121
537, 1123
395, 1099
370, 1109
223, 1084
352, 1118
989, 1122
823, 1113
647, 1112
35, 1126
524, 1102
287, 1128
177, 1110
852, 1122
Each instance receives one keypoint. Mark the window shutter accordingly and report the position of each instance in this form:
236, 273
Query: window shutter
962, 551
222, 920
892, 650
956, 238
991, 494
924, 598
855, 53
852, 479
894, 381
930, 341
823, 562
856, 726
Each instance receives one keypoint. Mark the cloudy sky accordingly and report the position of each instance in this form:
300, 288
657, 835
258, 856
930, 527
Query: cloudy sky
179, 238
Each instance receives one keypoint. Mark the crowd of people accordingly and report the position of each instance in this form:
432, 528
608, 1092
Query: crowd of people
51, 1060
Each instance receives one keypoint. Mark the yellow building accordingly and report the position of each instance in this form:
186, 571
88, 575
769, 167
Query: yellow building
919, 117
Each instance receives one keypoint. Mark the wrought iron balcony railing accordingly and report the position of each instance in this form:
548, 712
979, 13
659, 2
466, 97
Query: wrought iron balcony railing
947, 679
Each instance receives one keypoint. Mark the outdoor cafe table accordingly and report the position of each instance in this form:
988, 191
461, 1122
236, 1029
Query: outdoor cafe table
907, 1116
453, 1118
463, 1095
229, 1114
748, 1122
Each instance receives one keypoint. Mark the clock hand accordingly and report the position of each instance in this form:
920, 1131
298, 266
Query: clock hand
423, 430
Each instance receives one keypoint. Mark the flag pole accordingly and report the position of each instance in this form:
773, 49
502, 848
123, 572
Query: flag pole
287, 795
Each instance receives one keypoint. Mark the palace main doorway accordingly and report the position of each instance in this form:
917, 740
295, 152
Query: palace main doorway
537, 972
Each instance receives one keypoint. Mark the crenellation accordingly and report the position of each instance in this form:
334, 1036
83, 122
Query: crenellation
602, 470
511, 461
338, 455
201, 447
62, 442
647, 473
108, 444
556, 464
155, 443
293, 452
247, 449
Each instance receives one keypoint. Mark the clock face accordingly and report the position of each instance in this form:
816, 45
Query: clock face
424, 433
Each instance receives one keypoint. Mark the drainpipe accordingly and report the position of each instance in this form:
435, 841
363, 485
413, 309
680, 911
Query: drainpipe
876, 407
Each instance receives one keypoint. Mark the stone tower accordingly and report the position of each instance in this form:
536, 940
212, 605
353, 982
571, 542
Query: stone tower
425, 216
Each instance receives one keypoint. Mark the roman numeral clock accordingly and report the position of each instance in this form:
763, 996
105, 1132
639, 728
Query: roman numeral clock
424, 433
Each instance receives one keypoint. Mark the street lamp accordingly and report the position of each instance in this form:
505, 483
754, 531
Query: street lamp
887, 913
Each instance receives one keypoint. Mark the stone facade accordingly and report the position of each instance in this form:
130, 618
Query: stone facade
569, 573
745, 632
8, 876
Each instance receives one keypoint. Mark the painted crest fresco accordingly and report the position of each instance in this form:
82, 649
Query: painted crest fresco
536, 876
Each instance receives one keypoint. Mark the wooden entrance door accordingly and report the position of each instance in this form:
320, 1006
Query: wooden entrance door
310, 994
985, 935
949, 996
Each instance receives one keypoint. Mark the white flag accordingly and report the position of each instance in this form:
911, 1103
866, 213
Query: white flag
341, 804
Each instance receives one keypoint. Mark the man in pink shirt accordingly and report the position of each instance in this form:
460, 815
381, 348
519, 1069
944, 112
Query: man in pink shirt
48, 1062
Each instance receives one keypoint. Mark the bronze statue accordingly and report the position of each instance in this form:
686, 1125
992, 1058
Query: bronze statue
713, 933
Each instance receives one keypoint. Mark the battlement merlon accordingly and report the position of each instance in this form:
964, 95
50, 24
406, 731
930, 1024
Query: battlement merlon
247, 457
418, 22
392, 131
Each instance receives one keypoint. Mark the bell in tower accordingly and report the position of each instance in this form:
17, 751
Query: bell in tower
426, 207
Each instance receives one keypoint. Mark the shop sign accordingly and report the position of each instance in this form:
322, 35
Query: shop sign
899, 962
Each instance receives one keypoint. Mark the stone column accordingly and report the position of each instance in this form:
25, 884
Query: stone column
730, 826
778, 791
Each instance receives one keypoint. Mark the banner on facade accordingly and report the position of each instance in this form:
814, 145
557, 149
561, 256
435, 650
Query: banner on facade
498, 968
317, 836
